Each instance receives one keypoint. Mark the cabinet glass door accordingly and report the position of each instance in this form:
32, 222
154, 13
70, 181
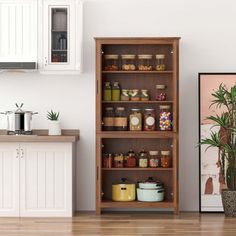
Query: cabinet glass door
59, 35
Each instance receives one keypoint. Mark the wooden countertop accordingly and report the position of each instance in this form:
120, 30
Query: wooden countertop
41, 136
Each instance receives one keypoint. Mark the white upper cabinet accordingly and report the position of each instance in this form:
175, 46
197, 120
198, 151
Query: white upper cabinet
18, 30
60, 36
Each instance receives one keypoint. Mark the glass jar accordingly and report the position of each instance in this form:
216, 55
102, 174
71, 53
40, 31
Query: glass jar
107, 160
115, 92
107, 91
124, 95
160, 95
108, 119
145, 62
130, 159
144, 95
118, 161
135, 120
120, 120
154, 159
149, 120
166, 159
160, 62
143, 159
111, 62
134, 95
128, 62
165, 118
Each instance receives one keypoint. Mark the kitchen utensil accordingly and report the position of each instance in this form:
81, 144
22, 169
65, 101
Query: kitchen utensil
123, 191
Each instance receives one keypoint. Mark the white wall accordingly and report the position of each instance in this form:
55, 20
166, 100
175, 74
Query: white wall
207, 45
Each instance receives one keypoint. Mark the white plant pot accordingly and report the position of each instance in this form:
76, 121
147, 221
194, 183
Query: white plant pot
54, 127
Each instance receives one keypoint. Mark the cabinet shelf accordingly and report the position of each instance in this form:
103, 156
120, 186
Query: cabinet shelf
138, 169
138, 102
137, 72
137, 204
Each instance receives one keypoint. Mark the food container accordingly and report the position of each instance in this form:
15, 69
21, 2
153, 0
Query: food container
161, 94
160, 62
115, 92
130, 160
145, 62
107, 91
120, 121
135, 120
111, 62
144, 95
128, 62
108, 119
118, 161
134, 95
149, 120
165, 118
150, 195
107, 160
123, 191
143, 159
166, 159
154, 159
124, 95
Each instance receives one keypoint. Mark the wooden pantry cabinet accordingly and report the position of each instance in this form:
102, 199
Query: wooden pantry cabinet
122, 141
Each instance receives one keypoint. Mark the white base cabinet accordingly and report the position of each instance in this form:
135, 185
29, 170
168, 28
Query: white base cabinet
36, 179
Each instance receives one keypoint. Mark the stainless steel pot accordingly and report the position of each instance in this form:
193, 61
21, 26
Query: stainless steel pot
19, 121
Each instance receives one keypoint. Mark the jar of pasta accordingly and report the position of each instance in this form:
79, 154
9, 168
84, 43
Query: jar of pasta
143, 159
160, 62
135, 120
165, 118
108, 119
149, 119
145, 62
128, 62
166, 159
111, 62
120, 120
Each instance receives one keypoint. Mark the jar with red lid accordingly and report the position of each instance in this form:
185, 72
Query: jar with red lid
149, 119
130, 161
166, 159
107, 160
161, 94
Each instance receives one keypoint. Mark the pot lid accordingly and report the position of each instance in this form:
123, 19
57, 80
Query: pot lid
150, 180
124, 181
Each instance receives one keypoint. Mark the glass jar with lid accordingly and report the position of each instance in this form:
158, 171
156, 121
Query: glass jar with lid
161, 94
135, 120
107, 160
130, 161
118, 161
107, 91
165, 118
144, 95
145, 62
166, 159
115, 92
108, 119
149, 119
143, 159
128, 62
124, 95
154, 159
111, 62
160, 62
134, 95
120, 120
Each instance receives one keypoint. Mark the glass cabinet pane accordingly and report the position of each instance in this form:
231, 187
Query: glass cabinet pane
59, 35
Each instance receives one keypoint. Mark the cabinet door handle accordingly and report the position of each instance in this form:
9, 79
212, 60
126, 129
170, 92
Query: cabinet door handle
46, 61
22, 153
17, 153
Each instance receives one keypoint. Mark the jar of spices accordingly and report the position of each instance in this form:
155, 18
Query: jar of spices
145, 62
128, 62
160, 62
154, 159
115, 92
166, 159
160, 95
111, 62
135, 120
118, 161
134, 95
124, 95
107, 91
149, 120
108, 119
120, 120
107, 160
144, 95
143, 159
165, 118
130, 159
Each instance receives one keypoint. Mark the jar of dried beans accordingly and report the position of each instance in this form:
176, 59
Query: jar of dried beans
111, 62
149, 120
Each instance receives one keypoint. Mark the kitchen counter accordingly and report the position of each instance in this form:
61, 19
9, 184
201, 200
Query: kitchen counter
41, 136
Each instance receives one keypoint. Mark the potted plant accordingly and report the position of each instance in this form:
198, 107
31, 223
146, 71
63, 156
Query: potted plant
54, 127
225, 140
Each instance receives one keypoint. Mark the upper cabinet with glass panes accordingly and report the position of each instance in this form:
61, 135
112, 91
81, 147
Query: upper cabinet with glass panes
61, 36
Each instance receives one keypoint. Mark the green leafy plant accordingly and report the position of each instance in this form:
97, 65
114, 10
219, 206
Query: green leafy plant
225, 138
51, 115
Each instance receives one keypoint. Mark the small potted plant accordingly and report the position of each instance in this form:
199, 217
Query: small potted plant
225, 140
54, 127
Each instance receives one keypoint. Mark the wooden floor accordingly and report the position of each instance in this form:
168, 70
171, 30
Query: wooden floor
121, 224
